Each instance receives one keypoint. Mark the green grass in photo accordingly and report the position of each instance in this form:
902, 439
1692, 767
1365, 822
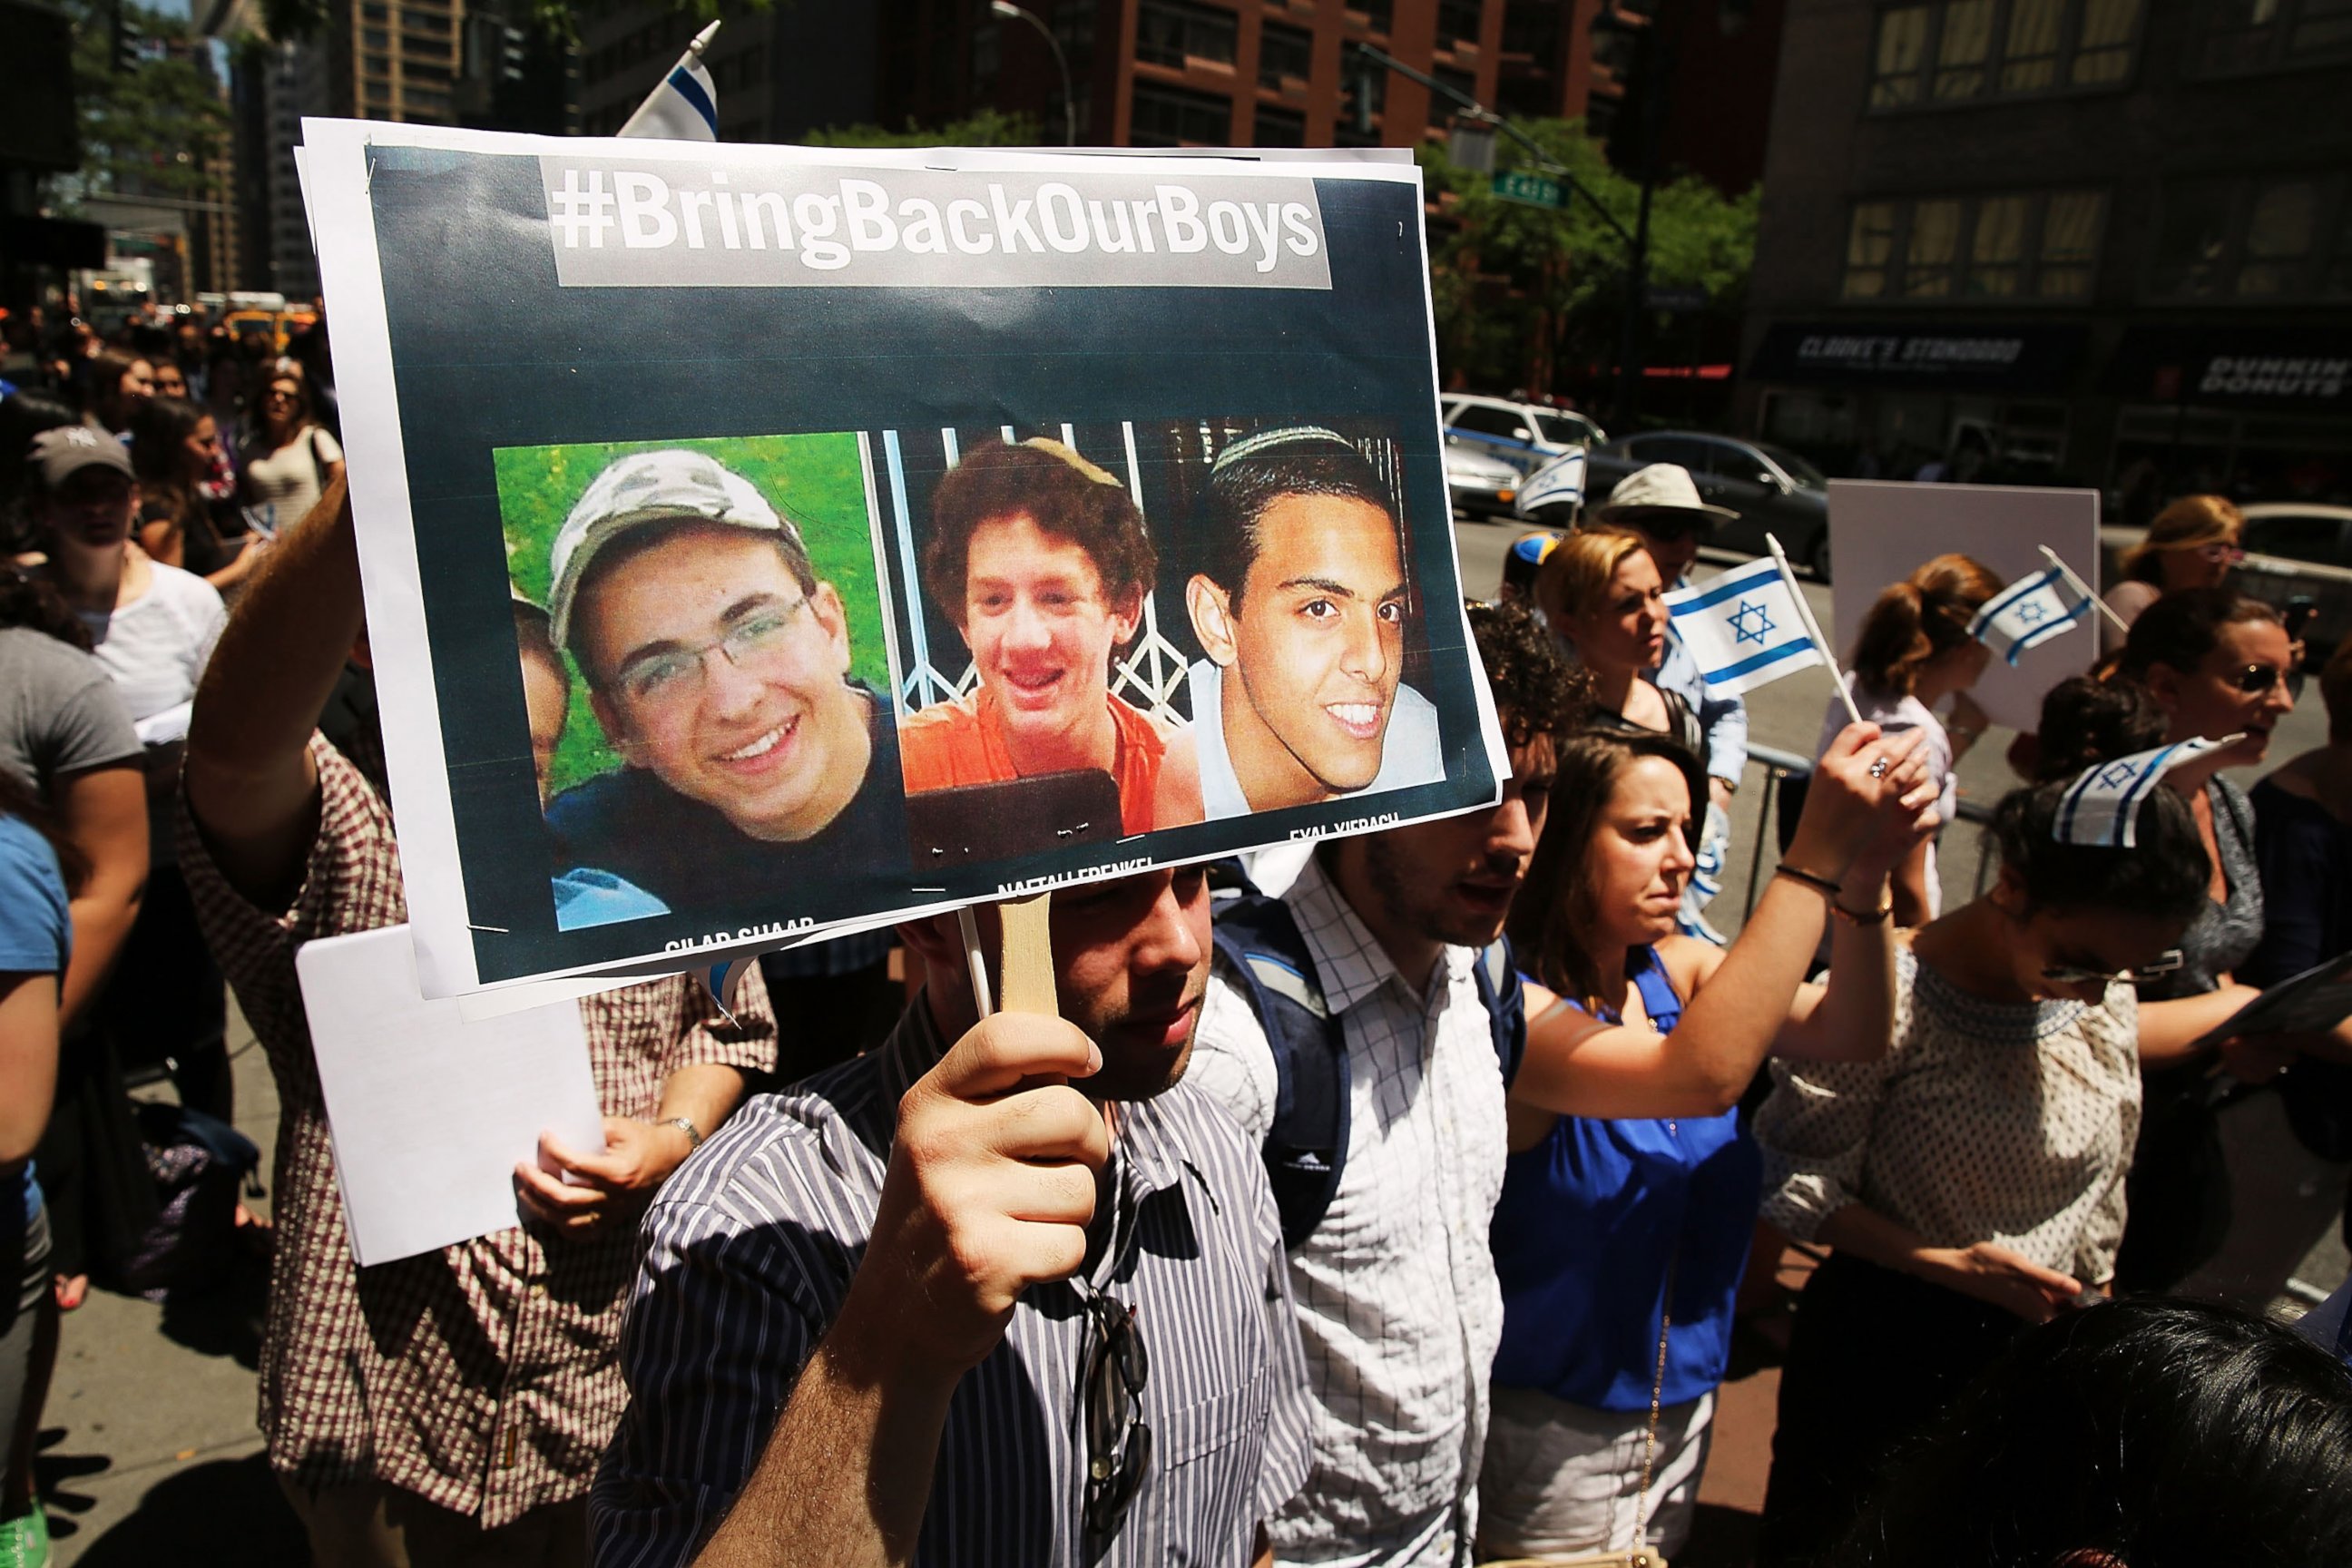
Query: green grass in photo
816, 480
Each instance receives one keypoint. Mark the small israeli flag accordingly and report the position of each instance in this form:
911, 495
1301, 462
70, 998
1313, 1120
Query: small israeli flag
1559, 483
2030, 611
2102, 807
1745, 628
683, 105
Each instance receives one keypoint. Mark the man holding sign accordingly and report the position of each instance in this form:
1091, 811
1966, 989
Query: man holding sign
1004, 1291
446, 1407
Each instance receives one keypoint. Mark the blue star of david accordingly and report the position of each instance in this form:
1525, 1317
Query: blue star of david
1750, 623
2031, 611
2115, 776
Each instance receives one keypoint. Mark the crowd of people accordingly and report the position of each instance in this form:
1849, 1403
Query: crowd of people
1392, 1203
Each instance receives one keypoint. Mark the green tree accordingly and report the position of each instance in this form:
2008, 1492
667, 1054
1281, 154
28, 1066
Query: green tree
986, 128
1522, 291
152, 125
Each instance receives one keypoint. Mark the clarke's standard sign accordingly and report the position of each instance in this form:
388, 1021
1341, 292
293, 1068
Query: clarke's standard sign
759, 542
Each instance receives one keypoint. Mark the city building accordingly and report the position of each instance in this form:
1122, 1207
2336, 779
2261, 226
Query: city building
2105, 242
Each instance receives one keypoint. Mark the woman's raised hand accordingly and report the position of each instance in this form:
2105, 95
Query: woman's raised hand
1867, 801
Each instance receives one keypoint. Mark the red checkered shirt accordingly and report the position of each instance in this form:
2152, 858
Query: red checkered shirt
482, 1377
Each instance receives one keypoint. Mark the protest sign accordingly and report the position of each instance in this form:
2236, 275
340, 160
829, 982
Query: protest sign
1881, 532
858, 533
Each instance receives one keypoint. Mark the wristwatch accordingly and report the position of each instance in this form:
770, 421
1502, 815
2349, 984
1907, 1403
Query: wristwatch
693, 1133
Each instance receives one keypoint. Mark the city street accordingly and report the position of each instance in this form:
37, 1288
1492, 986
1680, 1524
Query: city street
150, 1452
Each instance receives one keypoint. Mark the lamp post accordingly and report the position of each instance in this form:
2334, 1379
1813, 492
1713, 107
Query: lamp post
1069, 104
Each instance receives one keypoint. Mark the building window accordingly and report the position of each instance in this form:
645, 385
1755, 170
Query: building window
2258, 34
1958, 51
1278, 128
1173, 116
1177, 32
1869, 245
417, 21
1443, 109
1285, 58
375, 38
1458, 22
1375, 14
2040, 245
2284, 236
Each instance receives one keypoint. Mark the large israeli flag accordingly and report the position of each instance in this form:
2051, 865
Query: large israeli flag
2029, 613
683, 105
2102, 807
1745, 628
1559, 483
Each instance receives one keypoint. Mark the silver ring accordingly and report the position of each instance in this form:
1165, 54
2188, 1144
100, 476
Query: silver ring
1880, 768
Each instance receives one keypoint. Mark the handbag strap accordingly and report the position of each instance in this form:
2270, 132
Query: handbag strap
1649, 1438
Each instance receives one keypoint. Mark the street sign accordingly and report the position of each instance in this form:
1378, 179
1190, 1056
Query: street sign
1665, 296
1532, 189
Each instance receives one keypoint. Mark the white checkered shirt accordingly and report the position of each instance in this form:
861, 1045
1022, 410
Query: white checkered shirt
1398, 1304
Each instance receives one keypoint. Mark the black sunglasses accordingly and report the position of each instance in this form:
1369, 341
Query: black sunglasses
1118, 1443
2257, 678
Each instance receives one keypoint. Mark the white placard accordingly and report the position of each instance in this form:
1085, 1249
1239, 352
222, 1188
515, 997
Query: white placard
1880, 533
430, 1111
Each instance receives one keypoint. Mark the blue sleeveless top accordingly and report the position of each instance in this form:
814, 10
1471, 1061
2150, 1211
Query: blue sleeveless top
1590, 1221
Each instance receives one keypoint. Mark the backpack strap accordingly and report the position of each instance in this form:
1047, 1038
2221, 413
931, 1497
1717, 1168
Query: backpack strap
1307, 1145
1505, 1001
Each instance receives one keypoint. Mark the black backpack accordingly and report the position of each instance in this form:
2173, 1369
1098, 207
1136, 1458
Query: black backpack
1307, 1144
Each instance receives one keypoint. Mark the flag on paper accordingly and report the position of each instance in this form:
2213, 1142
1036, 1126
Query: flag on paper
1559, 483
1744, 628
2102, 806
2029, 613
683, 105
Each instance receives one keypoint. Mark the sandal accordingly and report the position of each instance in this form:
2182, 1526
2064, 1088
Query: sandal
69, 1289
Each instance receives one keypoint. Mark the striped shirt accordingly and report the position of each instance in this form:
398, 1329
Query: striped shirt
1399, 1306
751, 1250
483, 1377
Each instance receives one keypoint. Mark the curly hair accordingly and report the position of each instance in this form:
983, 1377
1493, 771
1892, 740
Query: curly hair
2086, 721
1066, 496
27, 601
1536, 692
1913, 621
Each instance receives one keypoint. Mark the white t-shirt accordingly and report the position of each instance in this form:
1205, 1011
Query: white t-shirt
1894, 716
155, 647
1409, 754
287, 478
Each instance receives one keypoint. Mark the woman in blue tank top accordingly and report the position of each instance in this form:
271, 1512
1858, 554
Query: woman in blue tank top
1631, 1190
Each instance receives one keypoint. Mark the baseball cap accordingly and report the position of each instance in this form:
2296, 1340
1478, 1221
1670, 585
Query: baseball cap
57, 455
643, 489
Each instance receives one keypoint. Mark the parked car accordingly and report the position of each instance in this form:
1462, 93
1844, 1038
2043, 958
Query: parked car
1481, 486
1770, 488
2294, 551
1524, 435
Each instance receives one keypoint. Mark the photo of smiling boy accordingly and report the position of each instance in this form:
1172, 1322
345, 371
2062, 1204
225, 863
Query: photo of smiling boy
717, 664
1042, 563
1301, 610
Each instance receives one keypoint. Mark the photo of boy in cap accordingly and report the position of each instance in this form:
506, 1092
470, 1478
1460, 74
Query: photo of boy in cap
718, 664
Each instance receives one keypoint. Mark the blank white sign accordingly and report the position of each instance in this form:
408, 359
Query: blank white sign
431, 1112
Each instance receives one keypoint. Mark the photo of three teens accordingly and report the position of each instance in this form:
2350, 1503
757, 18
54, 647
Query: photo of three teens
1064, 672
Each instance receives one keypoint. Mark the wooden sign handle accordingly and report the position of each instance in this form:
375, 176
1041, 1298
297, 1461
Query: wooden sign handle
1027, 979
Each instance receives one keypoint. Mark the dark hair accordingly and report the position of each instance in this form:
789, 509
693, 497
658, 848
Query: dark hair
158, 431
2180, 629
2163, 1432
2087, 720
1242, 488
27, 601
1047, 481
284, 369
102, 376
1551, 920
1913, 621
2167, 875
1536, 692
